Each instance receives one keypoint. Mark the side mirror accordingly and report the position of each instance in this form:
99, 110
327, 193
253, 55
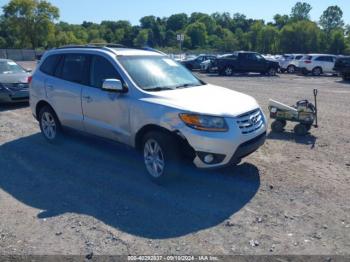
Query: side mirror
113, 85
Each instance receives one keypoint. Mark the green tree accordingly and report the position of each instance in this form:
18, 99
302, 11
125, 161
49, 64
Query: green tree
197, 33
177, 22
301, 37
337, 42
332, 18
268, 40
31, 21
280, 20
301, 11
142, 38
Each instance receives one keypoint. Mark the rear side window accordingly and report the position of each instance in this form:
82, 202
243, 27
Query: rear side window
101, 69
49, 65
298, 57
74, 68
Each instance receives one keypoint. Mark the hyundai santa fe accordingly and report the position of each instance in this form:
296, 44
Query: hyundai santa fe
148, 101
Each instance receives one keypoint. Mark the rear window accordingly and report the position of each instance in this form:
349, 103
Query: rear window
49, 65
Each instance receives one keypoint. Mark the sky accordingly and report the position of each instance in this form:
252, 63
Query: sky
77, 11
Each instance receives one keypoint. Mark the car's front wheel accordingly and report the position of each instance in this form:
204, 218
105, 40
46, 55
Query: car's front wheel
49, 124
161, 156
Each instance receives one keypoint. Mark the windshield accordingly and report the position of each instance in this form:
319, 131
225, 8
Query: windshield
10, 67
157, 73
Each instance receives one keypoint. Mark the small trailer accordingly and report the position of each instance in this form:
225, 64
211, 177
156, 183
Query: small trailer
303, 112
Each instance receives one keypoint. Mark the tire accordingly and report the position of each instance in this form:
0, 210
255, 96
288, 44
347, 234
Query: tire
277, 126
317, 71
291, 69
161, 156
272, 71
228, 71
301, 129
50, 125
346, 77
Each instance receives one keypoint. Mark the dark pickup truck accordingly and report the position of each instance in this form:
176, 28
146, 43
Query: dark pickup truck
342, 66
244, 62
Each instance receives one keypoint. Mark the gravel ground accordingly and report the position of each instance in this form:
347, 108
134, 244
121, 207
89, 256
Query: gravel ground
87, 195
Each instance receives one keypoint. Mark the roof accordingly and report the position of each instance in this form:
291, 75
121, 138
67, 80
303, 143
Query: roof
320, 55
118, 50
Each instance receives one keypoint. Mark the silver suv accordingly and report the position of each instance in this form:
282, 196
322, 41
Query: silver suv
148, 101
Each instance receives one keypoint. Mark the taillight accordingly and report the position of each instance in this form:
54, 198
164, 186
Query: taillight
307, 62
30, 78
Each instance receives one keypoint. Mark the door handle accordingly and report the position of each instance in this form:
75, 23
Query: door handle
88, 98
50, 87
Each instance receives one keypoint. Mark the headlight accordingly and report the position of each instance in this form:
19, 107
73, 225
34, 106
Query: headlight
205, 123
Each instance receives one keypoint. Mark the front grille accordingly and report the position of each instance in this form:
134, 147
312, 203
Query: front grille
250, 122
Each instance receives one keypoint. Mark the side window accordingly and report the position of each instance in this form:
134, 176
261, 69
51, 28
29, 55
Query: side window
298, 57
49, 65
329, 59
101, 69
321, 59
74, 68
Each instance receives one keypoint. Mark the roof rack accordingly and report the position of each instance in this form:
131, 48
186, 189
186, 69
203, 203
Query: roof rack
108, 46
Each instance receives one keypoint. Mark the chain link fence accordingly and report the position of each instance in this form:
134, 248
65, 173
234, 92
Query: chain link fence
20, 54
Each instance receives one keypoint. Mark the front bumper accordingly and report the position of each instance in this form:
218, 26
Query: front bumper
227, 148
8, 96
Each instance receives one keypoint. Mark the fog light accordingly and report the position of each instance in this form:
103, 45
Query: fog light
209, 158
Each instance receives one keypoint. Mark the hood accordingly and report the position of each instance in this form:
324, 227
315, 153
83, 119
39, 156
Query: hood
14, 78
207, 99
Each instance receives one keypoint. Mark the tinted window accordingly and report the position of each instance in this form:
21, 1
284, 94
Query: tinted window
49, 65
298, 57
75, 68
101, 69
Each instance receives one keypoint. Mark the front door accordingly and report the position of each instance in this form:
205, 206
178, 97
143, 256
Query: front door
105, 113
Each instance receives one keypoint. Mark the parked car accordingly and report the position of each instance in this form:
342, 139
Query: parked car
342, 66
195, 63
148, 101
210, 65
289, 62
13, 82
246, 62
317, 64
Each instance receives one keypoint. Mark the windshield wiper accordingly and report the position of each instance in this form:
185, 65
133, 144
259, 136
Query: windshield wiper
158, 88
186, 85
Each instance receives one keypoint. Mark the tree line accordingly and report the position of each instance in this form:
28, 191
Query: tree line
35, 24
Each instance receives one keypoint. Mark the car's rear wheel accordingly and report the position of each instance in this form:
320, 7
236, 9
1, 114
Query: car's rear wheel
49, 125
291, 69
161, 156
317, 71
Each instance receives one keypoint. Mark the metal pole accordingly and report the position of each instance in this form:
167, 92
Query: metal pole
315, 95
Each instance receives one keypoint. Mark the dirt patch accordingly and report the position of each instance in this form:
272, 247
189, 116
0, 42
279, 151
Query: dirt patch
87, 195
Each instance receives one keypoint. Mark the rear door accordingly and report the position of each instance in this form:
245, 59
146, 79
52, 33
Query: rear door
105, 113
65, 86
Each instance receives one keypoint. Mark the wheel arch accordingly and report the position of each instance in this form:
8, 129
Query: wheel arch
186, 148
40, 105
